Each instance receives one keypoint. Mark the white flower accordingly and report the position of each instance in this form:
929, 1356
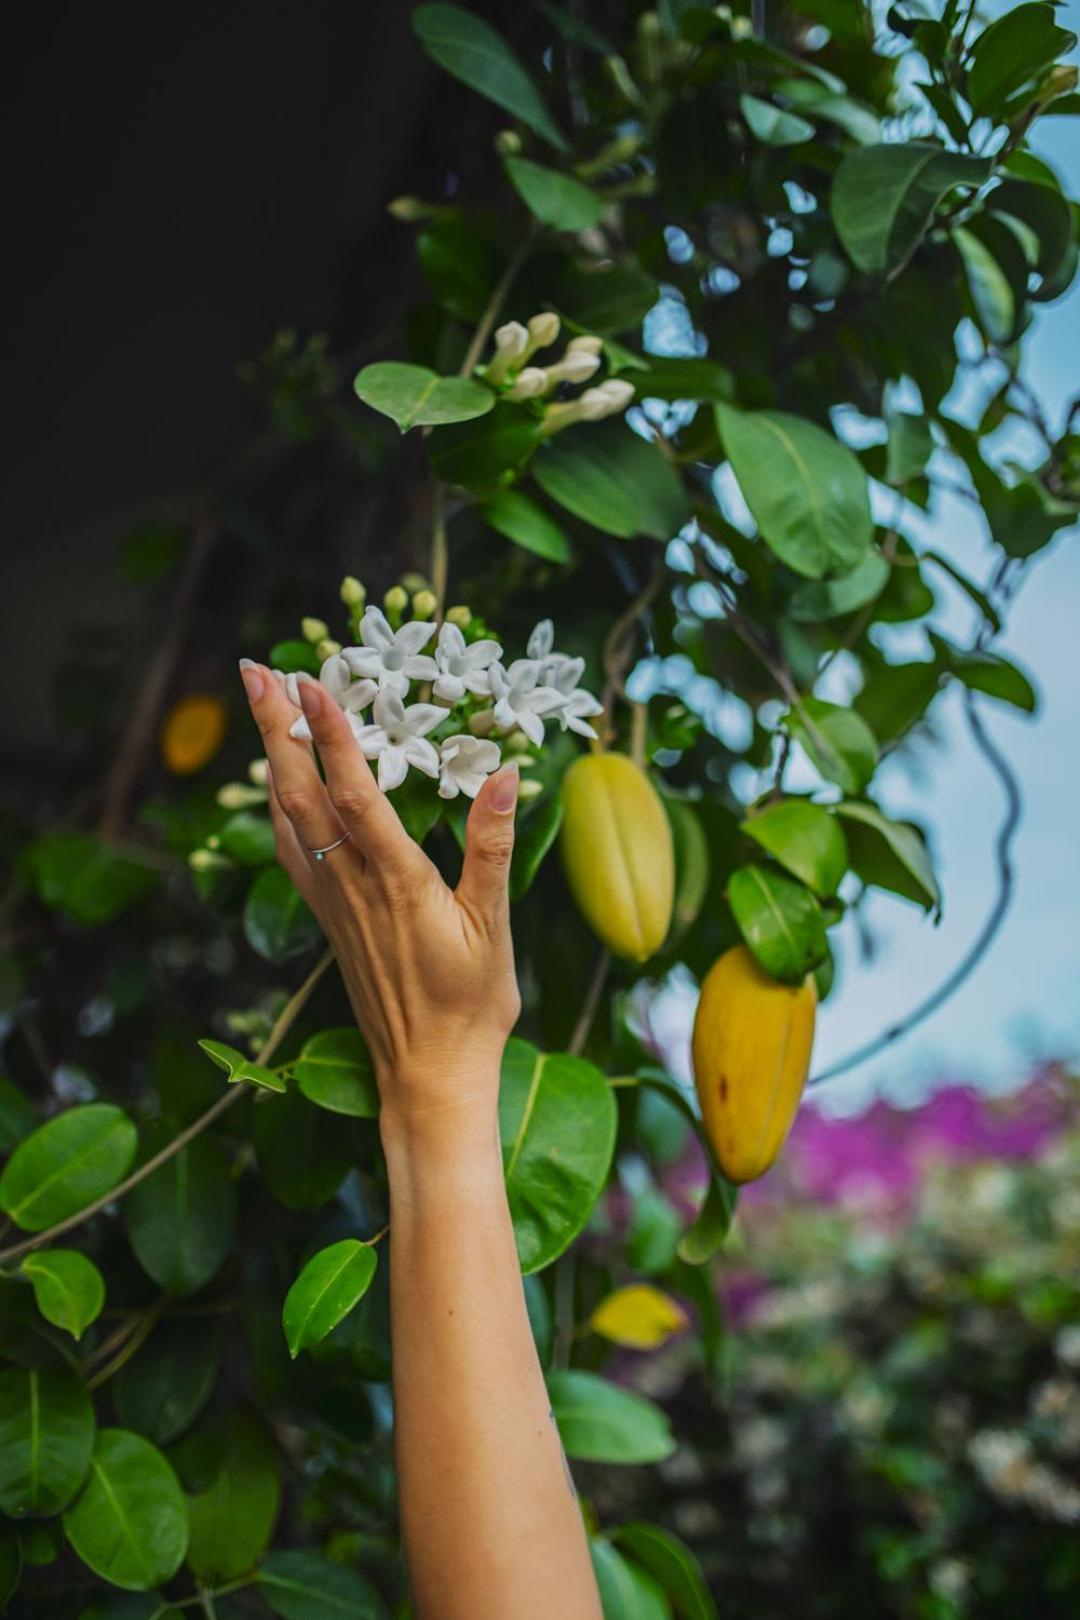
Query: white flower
398, 738
562, 672
541, 647
334, 678
463, 668
520, 699
392, 657
466, 763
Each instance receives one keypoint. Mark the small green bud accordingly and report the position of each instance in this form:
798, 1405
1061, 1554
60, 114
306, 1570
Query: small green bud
424, 604
207, 860
410, 210
352, 592
314, 630
517, 743
415, 582
395, 602
482, 723
460, 615
259, 772
327, 648
239, 796
530, 788
508, 143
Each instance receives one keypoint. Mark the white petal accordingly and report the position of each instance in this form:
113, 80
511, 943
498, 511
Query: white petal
524, 672
358, 696
375, 630
423, 717
389, 710
419, 752
478, 681
335, 676
372, 739
451, 642
470, 782
482, 653
393, 769
532, 725
505, 715
414, 635
394, 682
366, 661
574, 723
450, 687
300, 729
544, 699
419, 667
448, 787
565, 676
542, 639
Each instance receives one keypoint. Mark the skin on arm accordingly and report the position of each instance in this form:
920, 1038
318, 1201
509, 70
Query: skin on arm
490, 1521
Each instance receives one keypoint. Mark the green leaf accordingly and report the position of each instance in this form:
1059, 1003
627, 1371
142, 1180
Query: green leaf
805, 839
838, 740
46, 1439
626, 1592
893, 697
331, 1283
819, 599
304, 1152
413, 396
335, 1072
604, 302
181, 1220
277, 923
17, 1117
248, 839
678, 379
672, 1563
1011, 52
780, 921
129, 1523
997, 275
557, 1121
306, 1586
462, 266
518, 517
66, 1164
478, 455
889, 854
807, 491
884, 198
535, 836
820, 102
606, 475
599, 1422
233, 1520
69, 1288
989, 673
909, 448
773, 126
705, 1235
84, 877
552, 198
167, 1383
294, 656
474, 52
240, 1068
11, 1561
691, 864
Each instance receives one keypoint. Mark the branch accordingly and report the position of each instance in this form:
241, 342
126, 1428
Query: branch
590, 1004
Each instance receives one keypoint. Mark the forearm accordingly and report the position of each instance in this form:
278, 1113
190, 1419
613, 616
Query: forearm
491, 1525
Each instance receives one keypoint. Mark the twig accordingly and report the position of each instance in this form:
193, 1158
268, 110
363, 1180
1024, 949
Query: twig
284, 1021
142, 1331
616, 653
493, 309
440, 559
747, 632
590, 1004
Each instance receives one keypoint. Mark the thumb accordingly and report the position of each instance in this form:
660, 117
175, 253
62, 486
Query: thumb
489, 844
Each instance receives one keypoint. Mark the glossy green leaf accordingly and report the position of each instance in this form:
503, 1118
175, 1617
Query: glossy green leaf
996, 275
330, 1285
413, 396
233, 1519
988, 673
534, 837
820, 102
181, 1221
478, 455
707, 1232
818, 599
805, 839
306, 1586
522, 520
474, 52
11, 1560
240, 1068
838, 740
129, 1523
884, 197
674, 378
461, 264
807, 491
278, 925
248, 839
691, 864
780, 921
609, 477
1011, 51
605, 302
46, 1439
626, 1591
968, 586
671, 1563
167, 1383
17, 1117
772, 125
304, 1152
909, 448
557, 1121
294, 656
66, 1164
1044, 211
554, 199
69, 1288
335, 1072
86, 878
893, 698
600, 1422
889, 854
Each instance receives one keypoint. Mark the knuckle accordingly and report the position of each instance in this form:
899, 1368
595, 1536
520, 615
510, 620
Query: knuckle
497, 846
295, 802
351, 802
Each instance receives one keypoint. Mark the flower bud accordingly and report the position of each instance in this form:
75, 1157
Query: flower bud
585, 344
206, 860
482, 723
576, 366
239, 796
543, 330
511, 342
414, 582
314, 630
259, 772
530, 788
410, 209
529, 384
352, 593
617, 391
508, 143
517, 743
327, 648
460, 615
593, 406
395, 602
424, 604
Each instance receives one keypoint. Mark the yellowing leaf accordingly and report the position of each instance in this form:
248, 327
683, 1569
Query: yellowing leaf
639, 1317
193, 732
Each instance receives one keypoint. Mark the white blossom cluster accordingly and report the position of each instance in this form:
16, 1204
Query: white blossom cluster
378, 675
512, 370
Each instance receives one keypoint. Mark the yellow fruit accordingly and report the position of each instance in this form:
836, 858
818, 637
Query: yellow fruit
638, 1316
617, 851
752, 1041
193, 732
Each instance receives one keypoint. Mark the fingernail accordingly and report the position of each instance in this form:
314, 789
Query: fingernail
310, 696
504, 793
252, 677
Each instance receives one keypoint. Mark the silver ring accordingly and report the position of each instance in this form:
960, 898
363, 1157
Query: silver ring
321, 854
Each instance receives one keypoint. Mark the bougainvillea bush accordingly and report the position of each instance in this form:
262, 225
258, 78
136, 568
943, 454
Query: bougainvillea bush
642, 474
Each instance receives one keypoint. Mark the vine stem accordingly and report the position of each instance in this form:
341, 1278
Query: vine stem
590, 1004
286, 1018
143, 1329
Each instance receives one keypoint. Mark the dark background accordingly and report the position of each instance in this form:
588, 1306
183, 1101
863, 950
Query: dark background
182, 183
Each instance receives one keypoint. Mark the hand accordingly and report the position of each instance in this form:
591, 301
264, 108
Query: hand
429, 970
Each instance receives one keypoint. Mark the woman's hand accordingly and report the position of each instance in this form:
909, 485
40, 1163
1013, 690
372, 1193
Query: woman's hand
429, 970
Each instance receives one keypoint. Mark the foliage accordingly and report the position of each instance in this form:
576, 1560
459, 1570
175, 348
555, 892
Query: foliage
788, 253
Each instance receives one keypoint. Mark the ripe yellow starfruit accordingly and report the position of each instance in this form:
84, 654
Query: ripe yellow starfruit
618, 854
751, 1049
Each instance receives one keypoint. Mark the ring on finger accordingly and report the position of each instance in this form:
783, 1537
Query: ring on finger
321, 854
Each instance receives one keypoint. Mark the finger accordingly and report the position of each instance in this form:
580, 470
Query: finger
287, 847
299, 787
364, 810
489, 844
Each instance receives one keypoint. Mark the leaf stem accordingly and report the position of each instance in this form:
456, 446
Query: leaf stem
590, 1004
